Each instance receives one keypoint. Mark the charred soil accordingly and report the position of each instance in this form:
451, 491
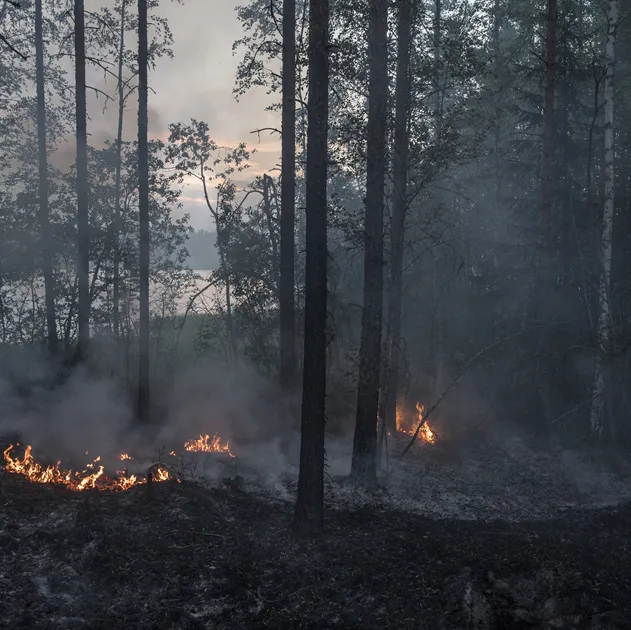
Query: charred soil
179, 555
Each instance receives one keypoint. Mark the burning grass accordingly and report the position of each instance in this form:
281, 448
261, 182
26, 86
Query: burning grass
93, 476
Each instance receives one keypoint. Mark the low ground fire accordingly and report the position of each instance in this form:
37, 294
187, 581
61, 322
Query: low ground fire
407, 425
93, 475
207, 444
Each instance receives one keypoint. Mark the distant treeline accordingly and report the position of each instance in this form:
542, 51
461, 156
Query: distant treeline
202, 250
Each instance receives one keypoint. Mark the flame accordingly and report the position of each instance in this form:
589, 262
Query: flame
124, 456
172, 454
86, 479
409, 426
206, 444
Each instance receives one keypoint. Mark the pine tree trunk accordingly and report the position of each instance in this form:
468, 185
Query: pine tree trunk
143, 209
83, 217
119, 150
543, 272
548, 137
44, 217
604, 316
287, 203
363, 467
308, 515
399, 207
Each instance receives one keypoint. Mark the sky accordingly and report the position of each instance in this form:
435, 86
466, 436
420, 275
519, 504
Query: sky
197, 83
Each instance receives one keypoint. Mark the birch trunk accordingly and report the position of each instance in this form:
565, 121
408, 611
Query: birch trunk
604, 315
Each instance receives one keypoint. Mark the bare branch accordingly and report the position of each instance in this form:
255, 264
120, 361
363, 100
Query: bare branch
12, 48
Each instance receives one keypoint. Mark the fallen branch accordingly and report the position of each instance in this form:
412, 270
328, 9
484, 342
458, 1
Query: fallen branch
463, 370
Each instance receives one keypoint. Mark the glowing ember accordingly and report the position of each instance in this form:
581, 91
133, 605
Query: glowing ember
124, 456
87, 479
172, 454
207, 444
408, 426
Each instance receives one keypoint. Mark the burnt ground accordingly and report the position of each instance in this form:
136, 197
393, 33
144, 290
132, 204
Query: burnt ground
183, 555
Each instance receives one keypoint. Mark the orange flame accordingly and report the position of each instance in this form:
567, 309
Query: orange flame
124, 456
409, 426
206, 444
73, 480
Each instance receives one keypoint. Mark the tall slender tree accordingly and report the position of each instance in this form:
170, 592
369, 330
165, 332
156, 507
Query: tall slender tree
287, 201
365, 441
143, 211
118, 167
44, 217
544, 255
548, 135
308, 515
399, 205
606, 253
83, 216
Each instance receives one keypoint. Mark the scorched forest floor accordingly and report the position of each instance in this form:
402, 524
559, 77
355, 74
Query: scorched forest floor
187, 555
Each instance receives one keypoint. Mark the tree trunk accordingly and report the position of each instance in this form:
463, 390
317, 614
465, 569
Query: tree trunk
83, 216
399, 207
287, 203
308, 515
544, 274
44, 218
604, 316
363, 466
548, 135
119, 149
143, 209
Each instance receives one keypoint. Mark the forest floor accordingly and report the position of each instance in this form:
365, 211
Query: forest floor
198, 554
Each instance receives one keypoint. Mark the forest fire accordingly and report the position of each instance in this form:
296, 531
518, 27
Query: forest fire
92, 477
207, 444
408, 426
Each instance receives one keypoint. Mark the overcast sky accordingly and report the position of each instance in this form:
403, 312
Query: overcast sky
196, 83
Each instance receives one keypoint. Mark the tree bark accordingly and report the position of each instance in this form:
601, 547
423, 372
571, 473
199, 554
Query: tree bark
548, 135
399, 206
543, 270
363, 467
83, 216
308, 515
119, 149
604, 316
143, 208
44, 217
287, 203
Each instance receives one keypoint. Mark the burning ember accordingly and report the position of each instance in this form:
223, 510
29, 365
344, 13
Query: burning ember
124, 456
409, 427
207, 444
89, 478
